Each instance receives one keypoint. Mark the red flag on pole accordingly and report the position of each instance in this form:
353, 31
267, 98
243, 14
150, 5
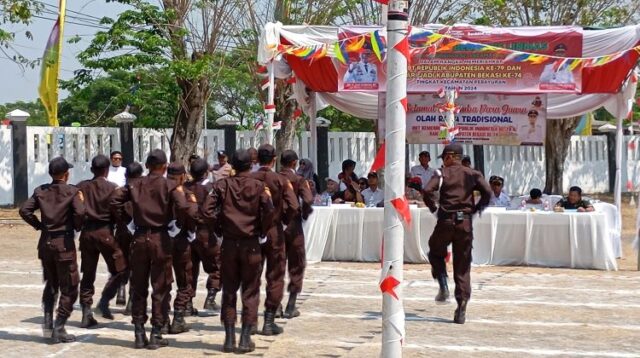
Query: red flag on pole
402, 207
383, 2
378, 162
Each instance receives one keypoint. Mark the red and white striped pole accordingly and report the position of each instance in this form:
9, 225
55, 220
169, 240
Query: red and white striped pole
396, 207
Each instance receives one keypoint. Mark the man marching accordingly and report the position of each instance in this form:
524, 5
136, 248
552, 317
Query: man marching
456, 184
242, 212
286, 206
293, 234
61, 211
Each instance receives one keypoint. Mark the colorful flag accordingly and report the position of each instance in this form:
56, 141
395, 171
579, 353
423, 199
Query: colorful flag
48, 88
584, 126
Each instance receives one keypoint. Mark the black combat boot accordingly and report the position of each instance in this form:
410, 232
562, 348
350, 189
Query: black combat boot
178, 325
210, 302
59, 334
141, 336
246, 344
166, 326
156, 341
127, 309
190, 310
103, 307
270, 328
291, 311
279, 312
229, 338
121, 298
254, 328
443, 293
461, 312
87, 317
47, 324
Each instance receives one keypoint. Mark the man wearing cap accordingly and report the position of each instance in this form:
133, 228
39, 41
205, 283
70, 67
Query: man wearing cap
498, 196
241, 211
423, 171
223, 168
456, 184
373, 195
205, 248
97, 239
293, 234
154, 200
531, 132
116, 170
61, 212
181, 231
286, 206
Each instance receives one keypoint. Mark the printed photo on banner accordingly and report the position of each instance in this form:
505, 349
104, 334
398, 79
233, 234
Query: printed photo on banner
473, 66
480, 119
361, 69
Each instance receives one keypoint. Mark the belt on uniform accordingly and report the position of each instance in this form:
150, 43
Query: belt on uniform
57, 234
151, 228
442, 215
95, 225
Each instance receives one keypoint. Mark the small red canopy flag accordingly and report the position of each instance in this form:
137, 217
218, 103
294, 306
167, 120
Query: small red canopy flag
384, 2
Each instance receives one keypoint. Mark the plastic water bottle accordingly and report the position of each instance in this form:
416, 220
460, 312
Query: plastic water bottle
523, 205
546, 205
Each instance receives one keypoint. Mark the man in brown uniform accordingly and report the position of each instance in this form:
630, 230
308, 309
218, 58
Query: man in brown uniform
153, 199
124, 234
61, 211
180, 232
293, 234
205, 248
456, 184
242, 212
97, 239
286, 206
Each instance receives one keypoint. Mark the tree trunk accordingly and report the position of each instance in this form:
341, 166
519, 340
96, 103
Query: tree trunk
188, 125
558, 139
284, 113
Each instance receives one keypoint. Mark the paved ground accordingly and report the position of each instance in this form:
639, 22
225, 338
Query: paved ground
514, 312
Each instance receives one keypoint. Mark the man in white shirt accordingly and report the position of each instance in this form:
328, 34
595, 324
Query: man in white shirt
532, 132
116, 170
558, 71
498, 197
423, 171
373, 195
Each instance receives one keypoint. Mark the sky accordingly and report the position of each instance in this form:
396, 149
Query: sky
22, 84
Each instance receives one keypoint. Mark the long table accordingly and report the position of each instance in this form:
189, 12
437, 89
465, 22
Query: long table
501, 237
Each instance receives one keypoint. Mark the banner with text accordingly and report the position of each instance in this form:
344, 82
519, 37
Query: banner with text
472, 68
363, 71
481, 119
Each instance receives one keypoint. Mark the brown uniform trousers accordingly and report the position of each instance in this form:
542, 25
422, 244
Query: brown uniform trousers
59, 264
206, 250
460, 235
183, 269
241, 268
150, 258
98, 240
296, 255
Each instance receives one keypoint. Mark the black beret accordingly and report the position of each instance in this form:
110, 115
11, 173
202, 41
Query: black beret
266, 151
241, 160
199, 167
453, 148
58, 166
176, 168
156, 157
100, 162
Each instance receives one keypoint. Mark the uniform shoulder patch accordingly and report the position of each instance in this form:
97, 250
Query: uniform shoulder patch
80, 195
289, 184
267, 191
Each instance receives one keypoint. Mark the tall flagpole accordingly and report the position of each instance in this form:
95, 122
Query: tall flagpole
396, 207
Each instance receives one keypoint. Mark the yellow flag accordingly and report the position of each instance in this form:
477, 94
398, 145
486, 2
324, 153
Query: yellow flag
48, 88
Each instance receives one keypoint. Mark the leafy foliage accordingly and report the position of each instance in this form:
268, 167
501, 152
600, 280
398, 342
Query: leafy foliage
35, 109
16, 12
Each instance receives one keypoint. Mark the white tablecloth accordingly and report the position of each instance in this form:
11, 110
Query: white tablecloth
577, 240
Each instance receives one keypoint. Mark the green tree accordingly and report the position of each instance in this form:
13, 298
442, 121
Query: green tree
38, 115
342, 122
12, 13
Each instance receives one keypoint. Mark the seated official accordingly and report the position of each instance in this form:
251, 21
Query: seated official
363, 183
498, 196
373, 195
575, 202
535, 197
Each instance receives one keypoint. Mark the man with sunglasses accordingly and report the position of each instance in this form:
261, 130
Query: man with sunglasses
116, 170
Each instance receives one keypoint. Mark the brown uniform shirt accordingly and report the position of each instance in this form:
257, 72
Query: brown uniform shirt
201, 190
456, 193
284, 199
61, 208
97, 197
240, 206
302, 191
153, 199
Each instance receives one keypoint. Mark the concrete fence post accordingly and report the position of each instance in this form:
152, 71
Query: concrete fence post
18, 120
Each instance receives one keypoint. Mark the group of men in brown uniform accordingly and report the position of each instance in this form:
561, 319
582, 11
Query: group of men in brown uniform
156, 226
